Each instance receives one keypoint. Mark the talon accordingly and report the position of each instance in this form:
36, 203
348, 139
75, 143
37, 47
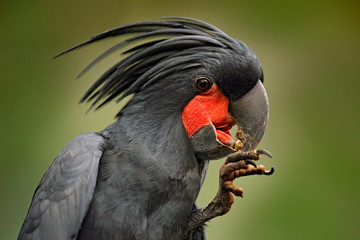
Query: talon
264, 152
270, 172
251, 163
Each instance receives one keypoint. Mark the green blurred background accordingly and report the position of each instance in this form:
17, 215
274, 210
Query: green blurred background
310, 54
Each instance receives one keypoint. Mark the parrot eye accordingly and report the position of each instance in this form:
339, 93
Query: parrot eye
203, 84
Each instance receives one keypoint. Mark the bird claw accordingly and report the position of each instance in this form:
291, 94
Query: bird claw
237, 165
264, 152
267, 153
249, 157
250, 162
270, 172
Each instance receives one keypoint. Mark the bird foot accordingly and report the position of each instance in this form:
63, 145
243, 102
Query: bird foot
237, 165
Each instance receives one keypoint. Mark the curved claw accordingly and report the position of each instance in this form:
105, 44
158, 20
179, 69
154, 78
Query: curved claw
264, 152
251, 163
270, 172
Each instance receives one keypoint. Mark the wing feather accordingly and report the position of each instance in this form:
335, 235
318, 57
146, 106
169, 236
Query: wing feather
62, 198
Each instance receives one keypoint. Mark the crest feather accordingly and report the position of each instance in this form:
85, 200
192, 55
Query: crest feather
180, 43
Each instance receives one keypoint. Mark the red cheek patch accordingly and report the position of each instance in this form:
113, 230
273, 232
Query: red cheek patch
208, 108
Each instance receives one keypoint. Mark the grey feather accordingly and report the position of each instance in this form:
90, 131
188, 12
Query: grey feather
159, 41
62, 198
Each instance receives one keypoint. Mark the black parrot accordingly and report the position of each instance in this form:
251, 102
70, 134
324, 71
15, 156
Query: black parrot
139, 178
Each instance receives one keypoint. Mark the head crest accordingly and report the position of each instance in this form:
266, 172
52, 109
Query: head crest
169, 43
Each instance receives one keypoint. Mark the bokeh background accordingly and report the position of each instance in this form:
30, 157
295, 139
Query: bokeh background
310, 54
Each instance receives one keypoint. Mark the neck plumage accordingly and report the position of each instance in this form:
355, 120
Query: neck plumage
160, 129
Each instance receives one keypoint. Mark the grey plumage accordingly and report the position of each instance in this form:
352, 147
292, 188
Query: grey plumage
63, 196
139, 178
178, 37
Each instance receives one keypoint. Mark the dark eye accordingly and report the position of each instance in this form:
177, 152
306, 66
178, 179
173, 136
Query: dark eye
203, 84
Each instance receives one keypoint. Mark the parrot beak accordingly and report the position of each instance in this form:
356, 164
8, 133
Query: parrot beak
250, 113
